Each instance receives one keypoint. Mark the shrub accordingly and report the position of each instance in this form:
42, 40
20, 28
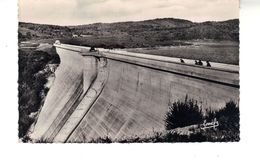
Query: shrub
31, 84
228, 117
182, 114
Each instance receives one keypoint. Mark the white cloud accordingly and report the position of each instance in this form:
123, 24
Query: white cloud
90, 11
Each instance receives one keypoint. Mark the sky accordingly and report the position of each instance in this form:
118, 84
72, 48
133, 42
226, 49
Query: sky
76, 12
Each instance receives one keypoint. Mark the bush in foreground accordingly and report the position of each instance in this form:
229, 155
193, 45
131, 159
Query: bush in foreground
187, 113
228, 118
183, 114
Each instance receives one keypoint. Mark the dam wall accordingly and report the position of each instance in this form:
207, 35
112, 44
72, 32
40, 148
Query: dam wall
120, 94
67, 90
90, 97
135, 100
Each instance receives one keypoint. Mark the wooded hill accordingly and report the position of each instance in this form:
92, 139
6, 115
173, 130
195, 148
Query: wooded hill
134, 34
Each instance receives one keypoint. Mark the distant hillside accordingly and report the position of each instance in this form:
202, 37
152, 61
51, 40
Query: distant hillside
133, 34
29, 31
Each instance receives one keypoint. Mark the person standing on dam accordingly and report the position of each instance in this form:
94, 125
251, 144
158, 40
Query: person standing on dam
208, 64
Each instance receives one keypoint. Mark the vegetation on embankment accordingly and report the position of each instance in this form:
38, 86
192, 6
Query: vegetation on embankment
33, 75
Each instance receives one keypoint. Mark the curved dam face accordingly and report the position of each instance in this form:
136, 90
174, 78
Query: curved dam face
107, 93
67, 90
135, 101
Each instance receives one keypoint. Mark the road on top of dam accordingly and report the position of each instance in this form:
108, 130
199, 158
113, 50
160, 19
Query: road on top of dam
214, 65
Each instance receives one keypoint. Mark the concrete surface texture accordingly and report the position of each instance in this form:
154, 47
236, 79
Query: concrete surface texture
82, 109
124, 95
135, 100
65, 93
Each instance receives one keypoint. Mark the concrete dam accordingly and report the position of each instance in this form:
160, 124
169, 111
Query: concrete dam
120, 94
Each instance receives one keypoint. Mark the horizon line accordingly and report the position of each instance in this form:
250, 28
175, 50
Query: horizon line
129, 21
